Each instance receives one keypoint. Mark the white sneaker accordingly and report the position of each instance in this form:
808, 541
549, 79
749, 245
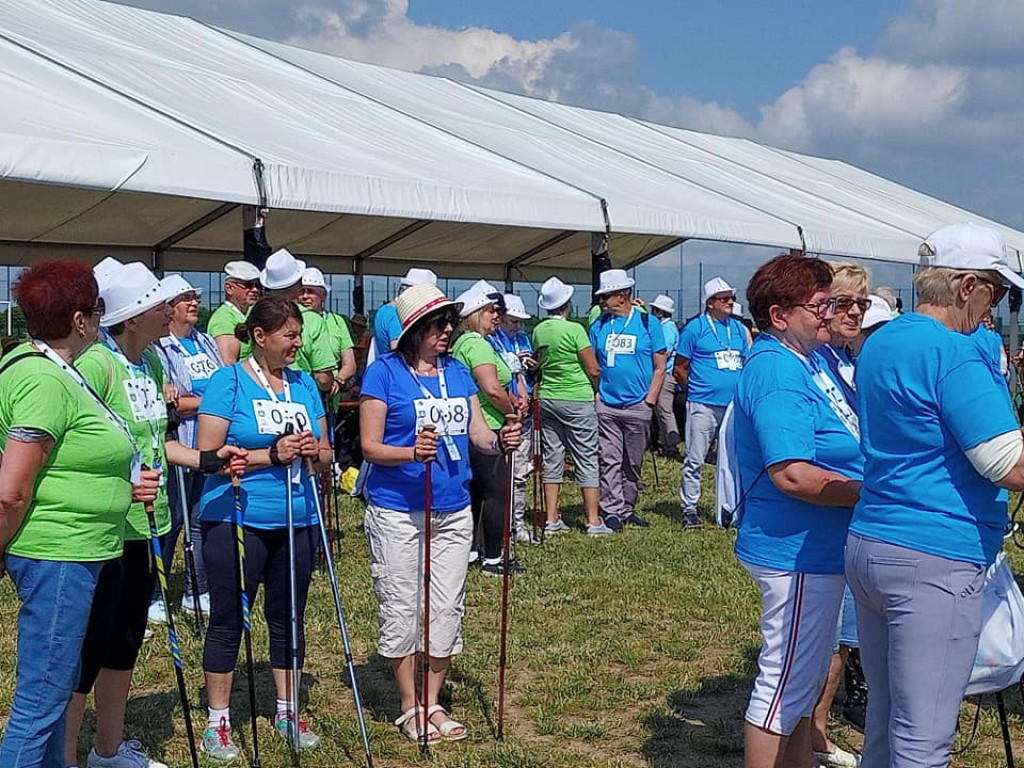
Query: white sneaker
556, 527
522, 536
157, 614
129, 755
599, 530
838, 758
188, 605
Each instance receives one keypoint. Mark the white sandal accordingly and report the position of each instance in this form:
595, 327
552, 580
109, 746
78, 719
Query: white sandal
416, 735
449, 725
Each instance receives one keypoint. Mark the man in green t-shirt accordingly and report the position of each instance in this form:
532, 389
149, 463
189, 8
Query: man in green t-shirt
313, 297
241, 290
282, 277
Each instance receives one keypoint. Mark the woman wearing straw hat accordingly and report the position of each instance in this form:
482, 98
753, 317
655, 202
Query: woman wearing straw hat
403, 392
568, 416
481, 312
66, 467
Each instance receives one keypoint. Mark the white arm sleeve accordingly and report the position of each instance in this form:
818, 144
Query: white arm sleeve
994, 458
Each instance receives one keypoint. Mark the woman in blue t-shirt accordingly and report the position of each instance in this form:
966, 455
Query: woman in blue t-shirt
251, 404
403, 393
940, 441
799, 459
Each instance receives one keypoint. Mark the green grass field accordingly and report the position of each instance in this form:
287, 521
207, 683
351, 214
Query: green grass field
634, 650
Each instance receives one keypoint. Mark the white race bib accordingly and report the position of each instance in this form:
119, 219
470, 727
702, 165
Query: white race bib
272, 416
200, 366
618, 344
728, 360
144, 400
450, 415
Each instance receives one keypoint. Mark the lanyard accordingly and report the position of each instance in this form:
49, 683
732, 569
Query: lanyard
262, 378
613, 336
115, 350
446, 439
728, 331
832, 393
114, 419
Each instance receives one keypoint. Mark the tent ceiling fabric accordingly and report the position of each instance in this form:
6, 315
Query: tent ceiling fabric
125, 129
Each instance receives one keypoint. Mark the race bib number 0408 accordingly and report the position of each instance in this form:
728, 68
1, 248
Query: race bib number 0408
449, 415
273, 416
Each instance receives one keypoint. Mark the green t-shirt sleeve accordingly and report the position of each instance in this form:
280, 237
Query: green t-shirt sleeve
580, 338
97, 373
222, 322
29, 399
476, 351
343, 334
317, 349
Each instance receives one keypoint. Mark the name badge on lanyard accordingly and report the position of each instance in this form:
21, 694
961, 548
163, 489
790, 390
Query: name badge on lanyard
200, 366
273, 416
450, 415
620, 343
143, 399
728, 360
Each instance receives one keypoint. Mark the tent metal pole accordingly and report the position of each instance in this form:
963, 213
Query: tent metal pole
359, 275
188, 230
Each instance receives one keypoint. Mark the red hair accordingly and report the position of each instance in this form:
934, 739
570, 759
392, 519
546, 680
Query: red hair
50, 292
787, 280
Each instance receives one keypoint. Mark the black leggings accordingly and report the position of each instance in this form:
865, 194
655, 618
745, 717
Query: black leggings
488, 491
266, 562
117, 623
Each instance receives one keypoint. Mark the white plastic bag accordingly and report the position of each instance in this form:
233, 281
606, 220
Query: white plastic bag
999, 662
727, 472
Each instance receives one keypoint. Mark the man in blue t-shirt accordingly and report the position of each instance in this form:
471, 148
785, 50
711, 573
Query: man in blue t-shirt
709, 358
630, 350
386, 325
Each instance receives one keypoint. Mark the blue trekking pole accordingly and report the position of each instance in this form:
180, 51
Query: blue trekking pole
179, 672
339, 611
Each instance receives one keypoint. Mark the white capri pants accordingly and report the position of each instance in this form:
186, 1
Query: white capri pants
396, 564
798, 627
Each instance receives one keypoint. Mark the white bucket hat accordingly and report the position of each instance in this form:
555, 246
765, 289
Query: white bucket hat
132, 290
554, 294
242, 270
417, 302
478, 296
103, 271
417, 276
715, 286
282, 271
664, 303
968, 246
878, 312
613, 280
314, 278
514, 307
178, 285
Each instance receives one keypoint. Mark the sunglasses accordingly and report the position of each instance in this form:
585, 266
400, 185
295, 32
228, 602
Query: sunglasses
441, 321
190, 296
846, 303
998, 290
247, 284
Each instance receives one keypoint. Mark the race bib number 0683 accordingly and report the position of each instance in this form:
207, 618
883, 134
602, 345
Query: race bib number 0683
450, 415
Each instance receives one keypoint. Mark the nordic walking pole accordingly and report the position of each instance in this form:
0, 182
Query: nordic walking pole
339, 611
506, 537
172, 635
293, 599
236, 486
190, 553
428, 492
539, 507
654, 461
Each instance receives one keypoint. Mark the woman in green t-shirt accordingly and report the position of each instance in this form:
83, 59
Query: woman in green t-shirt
488, 488
64, 494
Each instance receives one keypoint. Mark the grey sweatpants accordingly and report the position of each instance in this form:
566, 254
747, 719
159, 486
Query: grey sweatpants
919, 618
622, 440
702, 423
668, 430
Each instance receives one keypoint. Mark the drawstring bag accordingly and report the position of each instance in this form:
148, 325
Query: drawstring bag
999, 662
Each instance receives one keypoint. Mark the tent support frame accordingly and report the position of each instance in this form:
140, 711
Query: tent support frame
187, 231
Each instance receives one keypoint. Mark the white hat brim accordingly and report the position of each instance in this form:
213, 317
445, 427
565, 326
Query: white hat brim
300, 267
160, 294
564, 299
1013, 278
614, 288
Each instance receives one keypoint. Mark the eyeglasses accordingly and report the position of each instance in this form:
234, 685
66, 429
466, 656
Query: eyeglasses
998, 290
846, 303
247, 284
822, 309
190, 296
97, 308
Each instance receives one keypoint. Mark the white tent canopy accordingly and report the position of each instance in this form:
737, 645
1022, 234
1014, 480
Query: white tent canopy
143, 133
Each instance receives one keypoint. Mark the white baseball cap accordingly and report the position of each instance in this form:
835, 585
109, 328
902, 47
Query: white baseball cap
314, 278
242, 270
478, 296
132, 290
514, 307
613, 280
714, 286
282, 271
416, 276
968, 246
664, 303
878, 312
554, 294
179, 285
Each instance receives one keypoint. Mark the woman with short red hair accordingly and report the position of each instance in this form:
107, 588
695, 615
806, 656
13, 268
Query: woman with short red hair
797, 447
65, 490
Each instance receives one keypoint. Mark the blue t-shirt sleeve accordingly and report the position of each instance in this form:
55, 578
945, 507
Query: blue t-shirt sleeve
657, 336
468, 381
783, 424
392, 327
375, 381
974, 405
220, 395
687, 341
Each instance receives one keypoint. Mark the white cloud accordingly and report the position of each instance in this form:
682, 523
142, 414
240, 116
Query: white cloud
958, 32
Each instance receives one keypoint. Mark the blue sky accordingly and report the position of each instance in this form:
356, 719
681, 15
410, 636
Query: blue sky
924, 92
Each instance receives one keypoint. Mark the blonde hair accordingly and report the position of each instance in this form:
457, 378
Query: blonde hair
849, 277
471, 322
937, 285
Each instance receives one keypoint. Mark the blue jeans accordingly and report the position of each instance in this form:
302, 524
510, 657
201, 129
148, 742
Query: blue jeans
56, 598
